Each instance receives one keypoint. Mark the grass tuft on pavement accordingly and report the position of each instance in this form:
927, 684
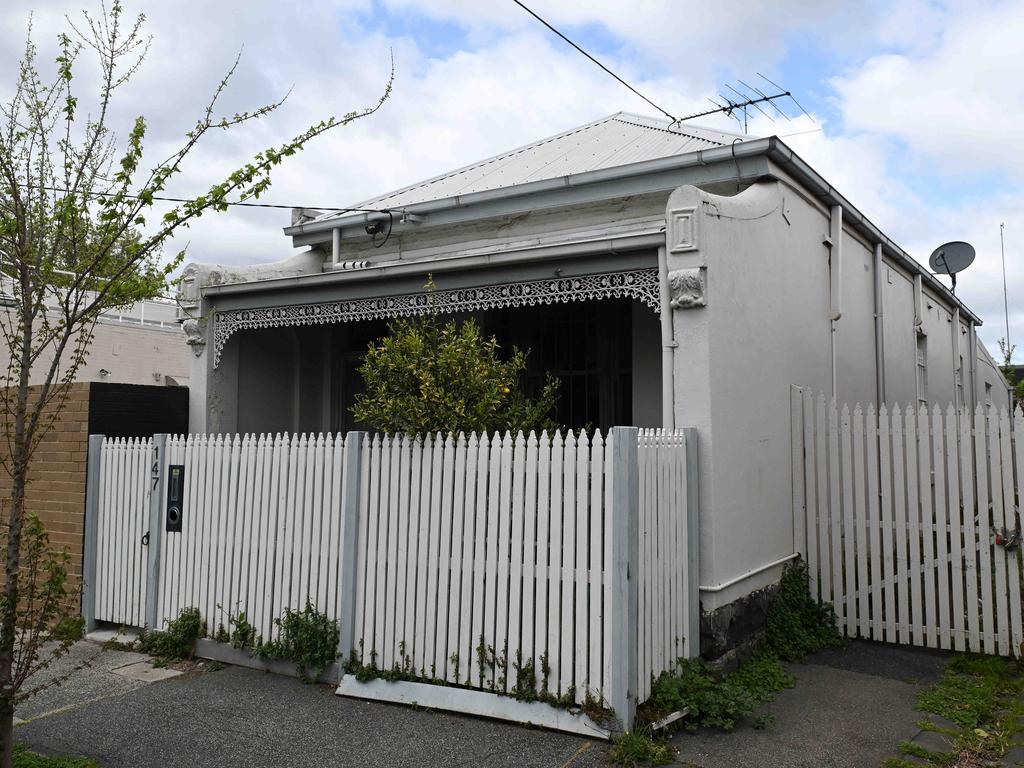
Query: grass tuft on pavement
982, 696
23, 758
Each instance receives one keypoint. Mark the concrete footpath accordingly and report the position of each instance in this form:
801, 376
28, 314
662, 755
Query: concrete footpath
849, 708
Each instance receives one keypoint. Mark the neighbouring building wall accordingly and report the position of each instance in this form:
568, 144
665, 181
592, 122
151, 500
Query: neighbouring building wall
761, 325
57, 479
56, 490
129, 352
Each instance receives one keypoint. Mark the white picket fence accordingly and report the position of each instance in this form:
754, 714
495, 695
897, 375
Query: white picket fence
261, 532
124, 489
668, 609
902, 516
468, 559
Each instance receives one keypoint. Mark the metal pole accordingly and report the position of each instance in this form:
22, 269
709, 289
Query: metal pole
1006, 305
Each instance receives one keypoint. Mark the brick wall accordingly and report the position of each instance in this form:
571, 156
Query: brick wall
56, 490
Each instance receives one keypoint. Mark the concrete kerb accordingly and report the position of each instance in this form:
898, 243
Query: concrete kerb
422, 695
242, 657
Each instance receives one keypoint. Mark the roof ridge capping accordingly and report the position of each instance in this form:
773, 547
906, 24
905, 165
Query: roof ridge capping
676, 127
476, 164
555, 156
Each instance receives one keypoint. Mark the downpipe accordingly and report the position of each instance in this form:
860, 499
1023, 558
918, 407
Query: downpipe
834, 242
879, 335
668, 344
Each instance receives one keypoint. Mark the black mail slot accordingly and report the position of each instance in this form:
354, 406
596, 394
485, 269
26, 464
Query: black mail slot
175, 497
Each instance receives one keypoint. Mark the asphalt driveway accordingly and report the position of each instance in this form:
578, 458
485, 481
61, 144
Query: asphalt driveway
242, 717
850, 708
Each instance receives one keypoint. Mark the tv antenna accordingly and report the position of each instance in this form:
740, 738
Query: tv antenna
1006, 305
744, 96
950, 258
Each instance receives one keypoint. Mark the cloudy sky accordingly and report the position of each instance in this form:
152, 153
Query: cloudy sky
914, 103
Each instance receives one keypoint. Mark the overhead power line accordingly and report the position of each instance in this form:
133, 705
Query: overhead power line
663, 111
749, 96
326, 209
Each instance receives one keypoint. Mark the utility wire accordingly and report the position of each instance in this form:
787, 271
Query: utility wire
236, 204
602, 66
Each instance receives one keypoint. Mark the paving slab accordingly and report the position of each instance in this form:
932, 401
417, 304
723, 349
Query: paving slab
146, 672
935, 743
242, 717
849, 709
84, 675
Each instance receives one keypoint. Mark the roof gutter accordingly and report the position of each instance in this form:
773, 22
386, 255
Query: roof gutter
392, 269
772, 147
701, 157
804, 173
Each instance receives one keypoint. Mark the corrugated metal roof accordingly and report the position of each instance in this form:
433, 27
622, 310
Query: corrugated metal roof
618, 139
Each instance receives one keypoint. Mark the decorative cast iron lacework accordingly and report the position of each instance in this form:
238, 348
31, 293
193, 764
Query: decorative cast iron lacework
641, 284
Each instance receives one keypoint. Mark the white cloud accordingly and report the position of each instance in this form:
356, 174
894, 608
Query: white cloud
954, 101
928, 90
693, 39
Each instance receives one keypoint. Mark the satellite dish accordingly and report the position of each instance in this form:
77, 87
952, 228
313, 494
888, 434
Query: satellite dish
950, 258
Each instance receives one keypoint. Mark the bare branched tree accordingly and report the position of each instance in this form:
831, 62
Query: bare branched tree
79, 236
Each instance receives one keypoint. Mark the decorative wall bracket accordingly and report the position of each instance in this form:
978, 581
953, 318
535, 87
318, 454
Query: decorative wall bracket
195, 335
687, 289
640, 284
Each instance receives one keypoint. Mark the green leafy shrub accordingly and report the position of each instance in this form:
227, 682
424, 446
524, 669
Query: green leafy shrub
308, 637
429, 377
797, 623
716, 701
179, 639
243, 634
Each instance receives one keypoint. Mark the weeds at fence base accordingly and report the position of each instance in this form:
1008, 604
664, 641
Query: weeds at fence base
524, 689
178, 641
116, 644
797, 625
308, 637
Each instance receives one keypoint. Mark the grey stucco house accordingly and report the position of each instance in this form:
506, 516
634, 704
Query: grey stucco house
670, 275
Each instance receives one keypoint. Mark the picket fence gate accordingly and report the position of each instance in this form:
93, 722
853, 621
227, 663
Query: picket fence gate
488, 563
908, 520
